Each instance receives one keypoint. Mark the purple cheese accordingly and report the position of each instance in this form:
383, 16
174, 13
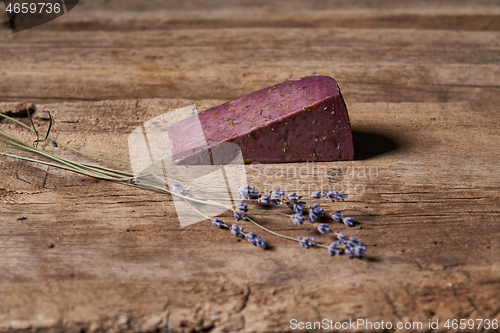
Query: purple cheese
295, 121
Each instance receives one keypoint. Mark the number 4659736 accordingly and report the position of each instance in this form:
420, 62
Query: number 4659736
471, 324
33, 7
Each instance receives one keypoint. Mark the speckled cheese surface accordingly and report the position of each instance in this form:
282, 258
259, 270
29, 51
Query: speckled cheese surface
298, 120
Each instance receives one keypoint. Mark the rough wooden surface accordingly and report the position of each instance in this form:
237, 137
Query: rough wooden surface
421, 83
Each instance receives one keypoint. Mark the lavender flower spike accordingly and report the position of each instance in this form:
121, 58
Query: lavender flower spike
341, 236
339, 217
261, 242
250, 238
318, 194
333, 249
307, 242
324, 228
336, 196
237, 231
256, 240
264, 199
242, 191
352, 247
239, 211
219, 224
177, 189
297, 219
293, 197
248, 192
277, 194
276, 197
315, 213
133, 180
349, 221
299, 207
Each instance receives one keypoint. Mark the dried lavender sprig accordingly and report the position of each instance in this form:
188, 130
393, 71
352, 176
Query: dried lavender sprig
336, 196
235, 230
256, 240
59, 162
333, 249
307, 242
299, 207
88, 169
92, 169
352, 248
132, 180
238, 232
181, 194
264, 198
293, 197
80, 167
248, 192
276, 197
219, 223
324, 228
315, 212
247, 218
297, 219
349, 221
239, 211
337, 216
318, 194
178, 190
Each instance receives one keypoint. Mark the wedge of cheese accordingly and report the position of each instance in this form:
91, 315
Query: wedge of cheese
295, 121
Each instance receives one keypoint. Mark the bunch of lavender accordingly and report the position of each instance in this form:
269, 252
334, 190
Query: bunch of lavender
351, 248
300, 209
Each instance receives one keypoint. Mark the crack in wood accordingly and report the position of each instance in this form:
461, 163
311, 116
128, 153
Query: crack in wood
392, 306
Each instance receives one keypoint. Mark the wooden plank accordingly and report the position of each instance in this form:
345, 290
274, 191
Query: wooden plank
428, 211
421, 84
132, 15
370, 65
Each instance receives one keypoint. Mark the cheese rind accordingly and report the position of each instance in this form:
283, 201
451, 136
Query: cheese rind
295, 121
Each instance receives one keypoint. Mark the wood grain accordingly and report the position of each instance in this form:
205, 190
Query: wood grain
421, 85
427, 213
139, 59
